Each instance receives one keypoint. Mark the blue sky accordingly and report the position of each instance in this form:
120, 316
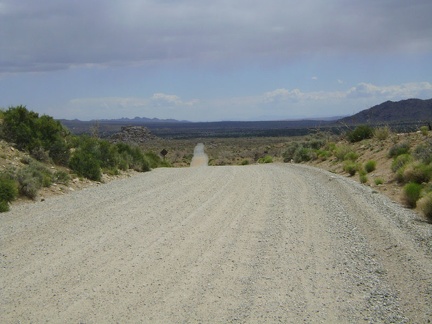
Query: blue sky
214, 60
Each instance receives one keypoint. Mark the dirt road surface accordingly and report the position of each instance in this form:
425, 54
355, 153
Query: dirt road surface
248, 244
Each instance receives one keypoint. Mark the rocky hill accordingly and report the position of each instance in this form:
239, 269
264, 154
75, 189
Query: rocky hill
133, 134
389, 112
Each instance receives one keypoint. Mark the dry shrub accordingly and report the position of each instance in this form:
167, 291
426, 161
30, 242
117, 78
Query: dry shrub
425, 206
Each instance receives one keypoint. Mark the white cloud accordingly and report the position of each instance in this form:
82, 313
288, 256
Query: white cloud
167, 99
362, 90
407, 90
280, 102
296, 95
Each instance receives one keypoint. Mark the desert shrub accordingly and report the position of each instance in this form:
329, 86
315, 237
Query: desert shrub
123, 163
330, 146
379, 181
61, 177
8, 189
139, 162
370, 166
417, 172
33, 177
399, 149
40, 154
26, 159
4, 206
29, 187
266, 159
153, 159
350, 167
106, 153
59, 152
425, 205
423, 152
400, 161
351, 156
245, 162
342, 150
85, 165
92, 154
411, 193
381, 133
314, 144
29, 131
360, 133
288, 155
363, 176
323, 154
424, 130
19, 126
304, 154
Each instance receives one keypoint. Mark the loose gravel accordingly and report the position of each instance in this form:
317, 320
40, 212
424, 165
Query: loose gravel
260, 243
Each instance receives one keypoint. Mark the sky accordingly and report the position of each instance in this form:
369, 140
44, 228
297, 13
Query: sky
201, 60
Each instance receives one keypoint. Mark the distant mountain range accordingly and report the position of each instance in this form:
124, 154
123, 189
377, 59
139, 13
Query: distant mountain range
405, 115
141, 120
404, 111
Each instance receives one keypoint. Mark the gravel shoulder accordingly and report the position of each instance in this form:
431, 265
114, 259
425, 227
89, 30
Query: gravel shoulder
259, 243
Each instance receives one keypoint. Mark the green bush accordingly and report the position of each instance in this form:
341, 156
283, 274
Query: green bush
323, 154
423, 152
363, 176
304, 154
351, 156
29, 187
425, 206
360, 133
399, 149
382, 133
417, 172
4, 206
424, 130
245, 162
350, 167
8, 189
412, 192
314, 144
41, 155
341, 151
61, 177
59, 152
153, 159
330, 146
33, 177
85, 165
32, 133
370, 166
288, 155
266, 159
133, 156
400, 161
379, 181
106, 153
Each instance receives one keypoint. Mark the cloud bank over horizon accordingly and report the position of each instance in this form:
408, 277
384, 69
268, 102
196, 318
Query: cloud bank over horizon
212, 60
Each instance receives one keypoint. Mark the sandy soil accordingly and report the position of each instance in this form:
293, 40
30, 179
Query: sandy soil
260, 243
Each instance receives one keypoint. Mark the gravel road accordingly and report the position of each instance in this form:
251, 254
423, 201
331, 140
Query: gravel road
260, 243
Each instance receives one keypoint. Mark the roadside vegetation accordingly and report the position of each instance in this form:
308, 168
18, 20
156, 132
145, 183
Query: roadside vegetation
406, 161
50, 155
